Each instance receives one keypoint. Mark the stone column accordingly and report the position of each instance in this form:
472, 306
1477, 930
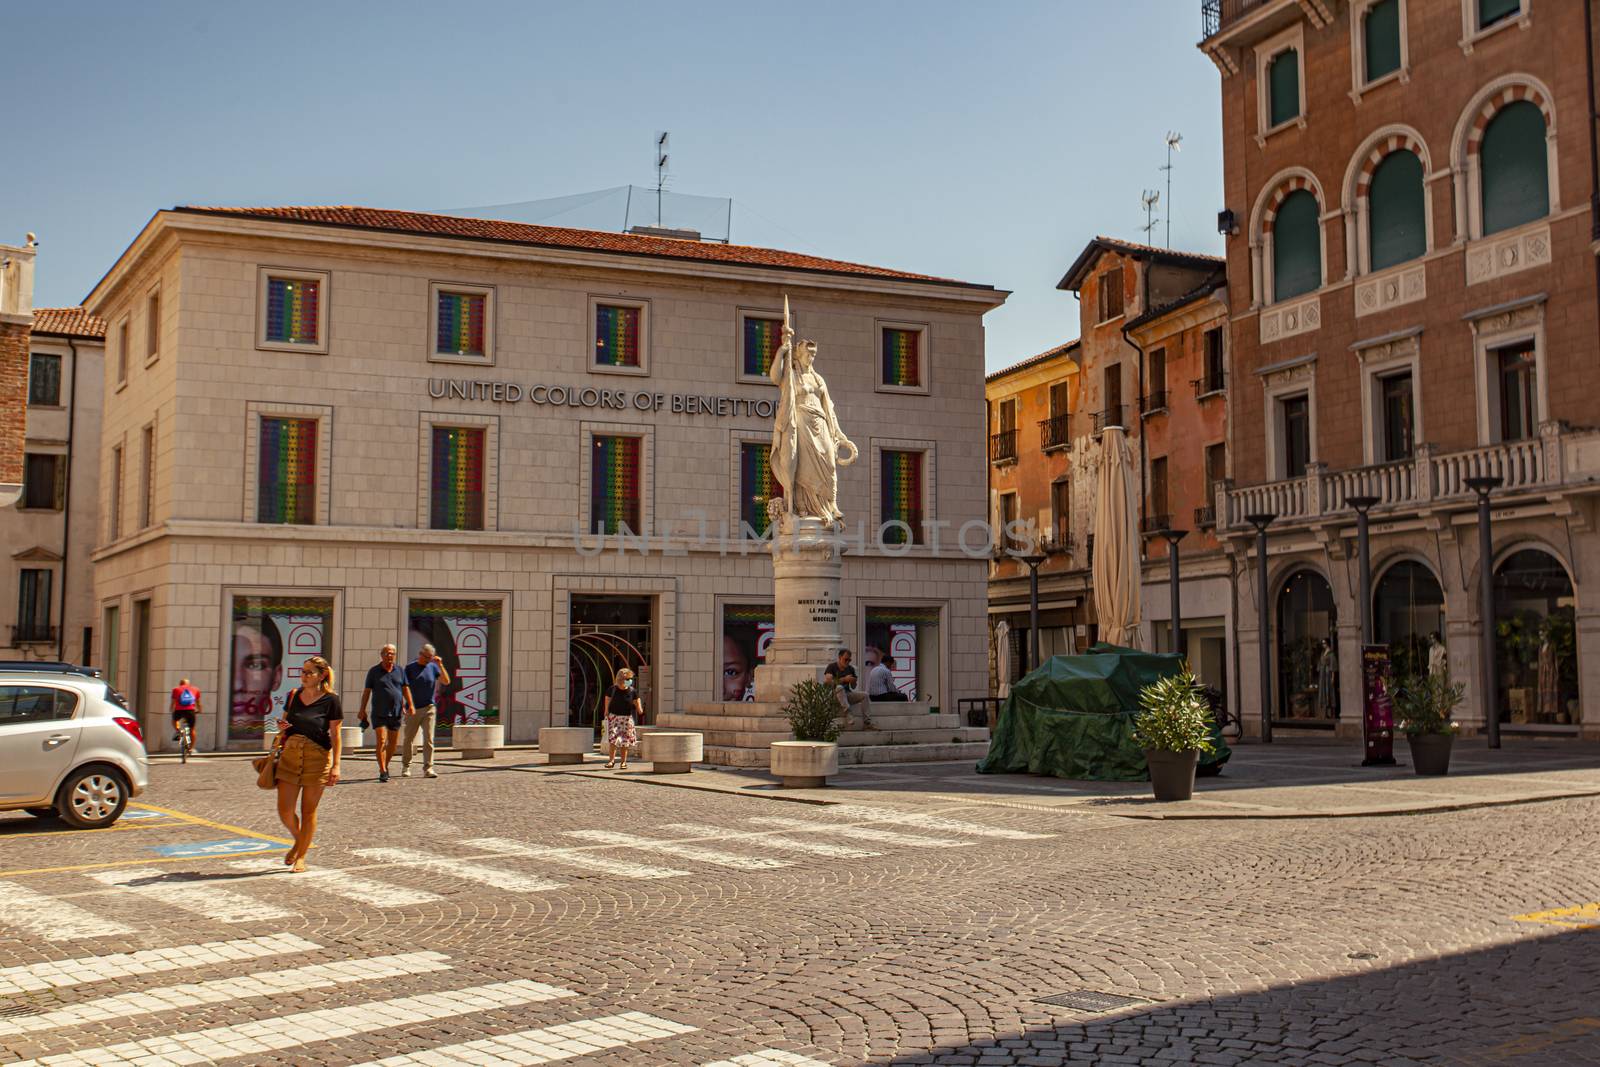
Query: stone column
806, 569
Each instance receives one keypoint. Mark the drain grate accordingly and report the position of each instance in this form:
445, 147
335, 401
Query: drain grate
1089, 1000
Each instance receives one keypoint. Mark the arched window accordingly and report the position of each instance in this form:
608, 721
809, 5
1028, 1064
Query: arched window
1308, 658
1515, 167
1296, 246
1397, 211
1408, 615
1535, 640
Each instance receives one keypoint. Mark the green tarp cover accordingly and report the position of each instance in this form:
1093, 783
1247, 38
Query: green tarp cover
1073, 717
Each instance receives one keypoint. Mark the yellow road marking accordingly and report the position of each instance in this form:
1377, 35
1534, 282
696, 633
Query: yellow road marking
215, 825
140, 862
1582, 917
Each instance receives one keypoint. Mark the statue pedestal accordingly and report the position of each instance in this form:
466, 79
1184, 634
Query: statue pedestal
805, 594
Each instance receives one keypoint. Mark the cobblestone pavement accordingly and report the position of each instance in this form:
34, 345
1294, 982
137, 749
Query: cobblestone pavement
501, 915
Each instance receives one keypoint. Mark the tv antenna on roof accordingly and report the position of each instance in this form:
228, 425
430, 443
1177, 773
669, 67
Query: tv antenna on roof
1150, 199
661, 169
1174, 140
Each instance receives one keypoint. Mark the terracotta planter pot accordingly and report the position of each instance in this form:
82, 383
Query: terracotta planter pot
1430, 753
1172, 773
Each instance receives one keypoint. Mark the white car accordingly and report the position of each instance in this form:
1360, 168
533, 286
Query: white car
69, 746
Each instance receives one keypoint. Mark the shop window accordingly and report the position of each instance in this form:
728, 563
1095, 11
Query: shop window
1108, 293
1408, 616
1515, 165
1515, 393
901, 495
1283, 87
461, 323
1494, 12
44, 380
1536, 659
456, 488
44, 481
466, 635
762, 339
615, 485
910, 637
1296, 246
1397, 211
33, 605
272, 637
1294, 420
1380, 39
1398, 416
756, 487
902, 357
1308, 658
747, 631
286, 471
618, 337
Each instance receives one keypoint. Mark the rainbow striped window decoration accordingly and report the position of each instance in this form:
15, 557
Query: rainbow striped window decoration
614, 482
761, 340
461, 324
902, 357
286, 475
456, 494
902, 496
616, 336
756, 485
292, 306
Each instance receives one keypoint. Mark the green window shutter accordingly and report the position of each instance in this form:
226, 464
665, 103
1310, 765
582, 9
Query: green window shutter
1396, 211
1492, 11
1516, 183
1296, 247
1283, 87
1382, 39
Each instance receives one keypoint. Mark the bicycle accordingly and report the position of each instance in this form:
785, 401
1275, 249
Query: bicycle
185, 741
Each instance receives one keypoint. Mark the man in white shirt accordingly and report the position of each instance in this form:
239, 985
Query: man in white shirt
880, 681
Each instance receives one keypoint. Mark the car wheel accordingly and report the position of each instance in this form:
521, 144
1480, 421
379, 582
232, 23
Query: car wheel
93, 797
41, 813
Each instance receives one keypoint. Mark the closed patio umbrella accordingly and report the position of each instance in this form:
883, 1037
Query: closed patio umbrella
1002, 659
1116, 543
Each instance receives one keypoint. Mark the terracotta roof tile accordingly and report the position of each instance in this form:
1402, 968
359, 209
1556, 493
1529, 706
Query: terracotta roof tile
365, 218
1042, 357
1092, 251
68, 322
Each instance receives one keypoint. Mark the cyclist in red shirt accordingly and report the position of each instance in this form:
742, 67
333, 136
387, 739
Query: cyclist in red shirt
185, 706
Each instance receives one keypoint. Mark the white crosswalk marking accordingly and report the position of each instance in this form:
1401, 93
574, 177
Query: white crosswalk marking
495, 877
928, 822
673, 848
547, 1044
212, 902
767, 840
858, 833
342, 884
60, 974
277, 1035
226, 990
52, 919
574, 858
769, 1057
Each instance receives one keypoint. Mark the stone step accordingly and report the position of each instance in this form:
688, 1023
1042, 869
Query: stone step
702, 721
855, 755
762, 709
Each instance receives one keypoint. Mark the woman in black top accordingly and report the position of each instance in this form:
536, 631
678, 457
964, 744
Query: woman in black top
308, 754
622, 711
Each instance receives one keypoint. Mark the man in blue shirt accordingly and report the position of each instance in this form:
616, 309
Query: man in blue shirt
386, 688
423, 678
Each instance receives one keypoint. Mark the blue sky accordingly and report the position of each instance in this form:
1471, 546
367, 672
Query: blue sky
986, 142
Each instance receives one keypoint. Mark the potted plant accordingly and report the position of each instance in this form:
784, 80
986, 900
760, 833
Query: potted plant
1173, 727
1422, 707
813, 755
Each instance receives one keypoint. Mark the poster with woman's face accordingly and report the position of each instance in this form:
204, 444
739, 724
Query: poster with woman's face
271, 639
746, 633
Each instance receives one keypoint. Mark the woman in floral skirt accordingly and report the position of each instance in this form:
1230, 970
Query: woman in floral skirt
623, 710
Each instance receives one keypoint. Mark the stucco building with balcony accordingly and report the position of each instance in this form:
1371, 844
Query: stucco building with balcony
1411, 238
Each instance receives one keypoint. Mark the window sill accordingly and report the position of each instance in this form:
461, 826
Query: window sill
752, 379
288, 346
1287, 318
38, 511
907, 390
1402, 76
1296, 123
1522, 21
634, 372
1509, 252
463, 358
1207, 395
152, 360
47, 407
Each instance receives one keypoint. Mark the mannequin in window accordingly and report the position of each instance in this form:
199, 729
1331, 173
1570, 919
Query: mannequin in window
1549, 681
1438, 658
1328, 682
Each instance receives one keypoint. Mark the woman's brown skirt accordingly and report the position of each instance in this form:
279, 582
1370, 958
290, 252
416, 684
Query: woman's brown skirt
303, 762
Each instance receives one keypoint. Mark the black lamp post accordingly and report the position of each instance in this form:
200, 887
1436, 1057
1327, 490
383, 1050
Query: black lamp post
1261, 522
1364, 561
1173, 537
1033, 561
1483, 485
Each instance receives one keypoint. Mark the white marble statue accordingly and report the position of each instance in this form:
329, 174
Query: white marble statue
808, 448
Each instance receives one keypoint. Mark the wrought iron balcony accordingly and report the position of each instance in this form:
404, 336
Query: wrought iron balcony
1155, 523
1218, 15
1154, 401
1003, 447
1055, 433
1210, 384
1109, 417
1204, 517
32, 633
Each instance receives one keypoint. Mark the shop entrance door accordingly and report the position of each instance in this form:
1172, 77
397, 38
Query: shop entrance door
143, 705
606, 634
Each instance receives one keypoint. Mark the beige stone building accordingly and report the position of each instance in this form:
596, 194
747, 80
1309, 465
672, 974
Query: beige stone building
536, 448
49, 532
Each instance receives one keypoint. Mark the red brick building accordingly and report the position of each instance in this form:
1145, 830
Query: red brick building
1412, 248
16, 323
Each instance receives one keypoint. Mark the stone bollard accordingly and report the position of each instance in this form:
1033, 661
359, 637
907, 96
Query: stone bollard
566, 744
672, 752
269, 737
477, 741
805, 764
350, 737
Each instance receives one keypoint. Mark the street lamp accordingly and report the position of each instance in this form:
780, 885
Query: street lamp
1261, 522
1033, 560
1483, 485
1173, 537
